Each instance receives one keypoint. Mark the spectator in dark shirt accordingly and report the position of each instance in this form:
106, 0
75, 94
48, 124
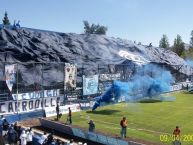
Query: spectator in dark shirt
50, 138
58, 111
12, 136
91, 126
5, 127
69, 118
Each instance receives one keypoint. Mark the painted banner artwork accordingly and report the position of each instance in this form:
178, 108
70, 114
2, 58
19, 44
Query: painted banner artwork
134, 57
10, 75
70, 71
90, 85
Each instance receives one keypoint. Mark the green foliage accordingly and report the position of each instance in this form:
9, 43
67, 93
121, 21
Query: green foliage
178, 46
164, 43
6, 19
94, 29
188, 54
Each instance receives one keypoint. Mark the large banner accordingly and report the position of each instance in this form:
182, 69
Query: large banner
10, 75
70, 73
90, 85
10, 107
51, 111
37, 94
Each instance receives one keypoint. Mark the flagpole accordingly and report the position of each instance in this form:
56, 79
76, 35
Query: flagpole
42, 88
17, 89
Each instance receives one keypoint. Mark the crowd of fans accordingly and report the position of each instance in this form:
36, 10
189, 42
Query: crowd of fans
13, 134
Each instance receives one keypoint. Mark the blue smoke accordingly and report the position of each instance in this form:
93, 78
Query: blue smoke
149, 81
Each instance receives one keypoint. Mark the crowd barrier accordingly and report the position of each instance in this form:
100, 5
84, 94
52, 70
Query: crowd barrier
95, 137
36, 140
23, 116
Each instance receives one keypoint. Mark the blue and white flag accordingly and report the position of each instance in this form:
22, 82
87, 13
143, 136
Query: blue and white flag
90, 85
10, 75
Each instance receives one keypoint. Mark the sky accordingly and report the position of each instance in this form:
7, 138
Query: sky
137, 20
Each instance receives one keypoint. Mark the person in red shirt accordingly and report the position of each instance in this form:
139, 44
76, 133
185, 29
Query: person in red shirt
176, 132
123, 124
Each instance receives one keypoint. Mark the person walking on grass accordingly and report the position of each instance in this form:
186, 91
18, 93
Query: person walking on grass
176, 134
69, 117
58, 110
123, 124
91, 126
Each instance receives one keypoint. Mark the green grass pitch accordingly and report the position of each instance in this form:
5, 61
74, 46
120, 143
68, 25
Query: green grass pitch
146, 121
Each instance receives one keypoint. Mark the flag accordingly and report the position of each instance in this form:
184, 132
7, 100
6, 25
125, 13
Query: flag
10, 75
70, 71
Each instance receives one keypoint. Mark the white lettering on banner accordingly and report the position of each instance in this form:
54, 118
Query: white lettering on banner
176, 87
187, 83
10, 107
87, 104
179, 86
109, 77
37, 94
51, 111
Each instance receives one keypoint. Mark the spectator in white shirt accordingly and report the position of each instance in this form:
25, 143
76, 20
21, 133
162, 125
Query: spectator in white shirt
43, 138
29, 136
23, 138
71, 142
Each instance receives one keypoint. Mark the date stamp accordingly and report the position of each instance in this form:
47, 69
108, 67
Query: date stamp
171, 137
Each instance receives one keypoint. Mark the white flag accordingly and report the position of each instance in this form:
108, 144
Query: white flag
10, 75
70, 71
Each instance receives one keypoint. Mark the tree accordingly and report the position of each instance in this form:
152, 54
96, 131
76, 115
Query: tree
6, 19
178, 46
101, 30
86, 27
94, 29
164, 43
191, 39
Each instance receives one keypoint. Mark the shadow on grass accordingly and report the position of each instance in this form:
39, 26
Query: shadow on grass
188, 92
150, 101
103, 112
